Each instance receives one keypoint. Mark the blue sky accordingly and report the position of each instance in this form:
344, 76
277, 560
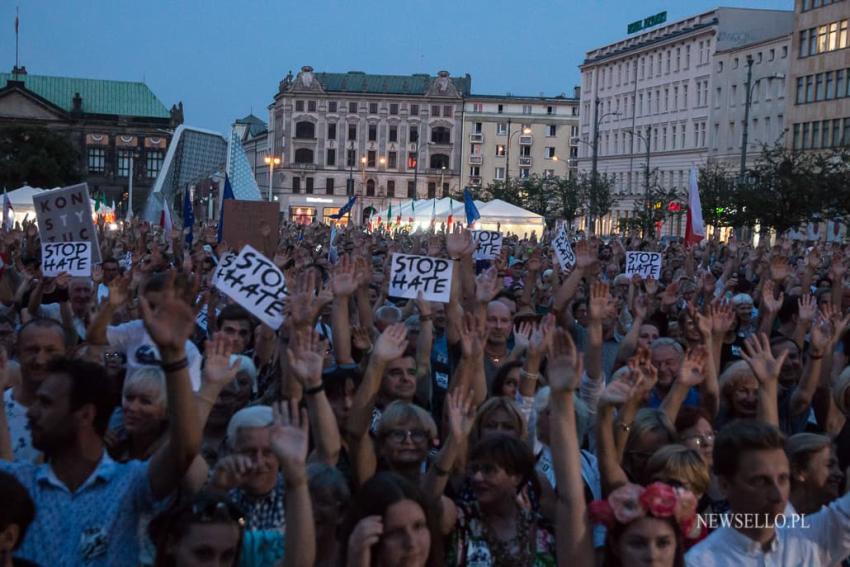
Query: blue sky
225, 58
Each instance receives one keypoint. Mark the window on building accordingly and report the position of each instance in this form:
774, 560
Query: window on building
500, 108
411, 160
153, 162
392, 160
475, 171
552, 130
411, 190
308, 188
441, 135
810, 88
414, 110
331, 157
393, 109
435, 110
296, 184
352, 108
390, 188
439, 161
448, 110
304, 155
97, 161
332, 131
829, 93
432, 190
526, 109
501, 128
549, 152
370, 188
414, 133
350, 158
311, 106
393, 133
373, 108
352, 131
329, 186
124, 163
332, 106
524, 173
500, 150
373, 132
819, 89
525, 151
550, 110
299, 106
499, 173
371, 158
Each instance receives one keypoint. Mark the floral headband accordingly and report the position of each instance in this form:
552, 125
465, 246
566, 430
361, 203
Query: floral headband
658, 500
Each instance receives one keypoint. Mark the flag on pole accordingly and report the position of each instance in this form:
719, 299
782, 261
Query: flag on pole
451, 214
344, 210
434, 215
165, 221
17, 21
412, 214
398, 217
188, 217
98, 202
472, 213
8, 212
695, 228
333, 253
390, 216
228, 194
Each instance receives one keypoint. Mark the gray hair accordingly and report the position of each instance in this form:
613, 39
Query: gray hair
667, 341
253, 416
147, 375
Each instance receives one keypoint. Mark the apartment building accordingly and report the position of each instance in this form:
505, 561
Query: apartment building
653, 90
518, 137
819, 86
381, 137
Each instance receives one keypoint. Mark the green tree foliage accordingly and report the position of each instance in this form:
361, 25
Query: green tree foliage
36, 156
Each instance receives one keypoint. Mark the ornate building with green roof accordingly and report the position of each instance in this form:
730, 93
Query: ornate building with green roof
119, 128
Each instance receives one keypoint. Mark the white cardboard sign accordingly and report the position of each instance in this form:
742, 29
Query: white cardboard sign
488, 244
645, 264
411, 274
225, 262
74, 258
255, 283
563, 249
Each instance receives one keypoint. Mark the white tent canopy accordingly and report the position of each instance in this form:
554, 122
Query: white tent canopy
21, 199
505, 217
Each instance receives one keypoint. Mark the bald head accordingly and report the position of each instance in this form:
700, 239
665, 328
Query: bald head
498, 323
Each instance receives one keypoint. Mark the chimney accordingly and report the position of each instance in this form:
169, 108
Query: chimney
22, 70
77, 104
576, 92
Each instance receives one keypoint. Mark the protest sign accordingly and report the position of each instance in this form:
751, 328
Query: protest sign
488, 244
255, 283
411, 274
225, 262
74, 258
244, 219
563, 249
65, 215
645, 264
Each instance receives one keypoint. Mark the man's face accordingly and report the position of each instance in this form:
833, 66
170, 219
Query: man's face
110, 271
498, 323
341, 404
37, 346
792, 367
668, 361
399, 381
238, 331
439, 312
761, 483
50, 417
80, 295
255, 443
581, 314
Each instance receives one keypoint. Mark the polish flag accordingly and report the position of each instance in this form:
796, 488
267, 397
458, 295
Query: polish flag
695, 227
165, 222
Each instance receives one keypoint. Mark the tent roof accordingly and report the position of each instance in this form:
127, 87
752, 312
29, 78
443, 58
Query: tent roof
23, 195
499, 208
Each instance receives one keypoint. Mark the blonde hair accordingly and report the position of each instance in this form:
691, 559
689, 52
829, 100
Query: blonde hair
398, 412
677, 462
147, 375
495, 404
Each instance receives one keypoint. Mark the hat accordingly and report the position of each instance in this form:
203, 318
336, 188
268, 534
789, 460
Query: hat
515, 261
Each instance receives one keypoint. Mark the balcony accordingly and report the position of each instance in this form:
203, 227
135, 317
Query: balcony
525, 161
476, 138
526, 140
476, 160
475, 180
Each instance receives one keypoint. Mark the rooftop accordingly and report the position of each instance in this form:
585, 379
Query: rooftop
358, 81
255, 125
122, 98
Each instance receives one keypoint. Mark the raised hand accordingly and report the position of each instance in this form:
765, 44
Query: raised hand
722, 317
360, 339
305, 357
771, 303
343, 280
97, 274
522, 335
473, 335
600, 301
564, 365
487, 285
119, 291
171, 322
391, 344
230, 471
303, 304
617, 393
366, 534
540, 339
670, 295
459, 243
461, 412
692, 371
779, 268
807, 307
289, 436
586, 256
217, 367
758, 355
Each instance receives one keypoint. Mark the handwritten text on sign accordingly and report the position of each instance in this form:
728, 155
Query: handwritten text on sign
65, 215
226, 262
255, 283
74, 258
412, 274
645, 264
563, 249
488, 244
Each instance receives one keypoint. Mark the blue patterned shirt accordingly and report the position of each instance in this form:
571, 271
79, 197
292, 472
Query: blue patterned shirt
96, 526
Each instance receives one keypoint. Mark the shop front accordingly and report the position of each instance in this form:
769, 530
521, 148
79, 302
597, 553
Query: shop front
305, 209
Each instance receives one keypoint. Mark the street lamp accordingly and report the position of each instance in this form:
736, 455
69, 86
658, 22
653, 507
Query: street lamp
646, 140
747, 101
595, 157
442, 188
271, 161
349, 191
525, 131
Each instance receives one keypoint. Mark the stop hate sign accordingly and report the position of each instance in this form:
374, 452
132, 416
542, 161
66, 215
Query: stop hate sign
65, 215
411, 274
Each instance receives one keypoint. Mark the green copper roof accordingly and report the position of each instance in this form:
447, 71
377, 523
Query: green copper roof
122, 98
255, 125
356, 81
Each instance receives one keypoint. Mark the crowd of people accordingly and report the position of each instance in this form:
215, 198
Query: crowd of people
543, 416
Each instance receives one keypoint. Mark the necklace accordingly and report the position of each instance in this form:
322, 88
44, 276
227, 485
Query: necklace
518, 551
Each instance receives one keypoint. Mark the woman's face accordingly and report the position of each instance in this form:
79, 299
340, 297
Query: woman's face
700, 438
405, 539
745, 397
491, 483
144, 408
405, 444
648, 542
207, 545
822, 475
744, 311
499, 421
647, 334
509, 386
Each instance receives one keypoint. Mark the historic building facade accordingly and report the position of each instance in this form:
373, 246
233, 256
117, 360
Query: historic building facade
120, 129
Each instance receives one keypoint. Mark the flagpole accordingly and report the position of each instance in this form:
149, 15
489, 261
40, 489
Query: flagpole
130, 191
17, 25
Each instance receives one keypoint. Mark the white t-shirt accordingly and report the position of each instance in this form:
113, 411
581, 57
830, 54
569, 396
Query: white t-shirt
19, 430
133, 340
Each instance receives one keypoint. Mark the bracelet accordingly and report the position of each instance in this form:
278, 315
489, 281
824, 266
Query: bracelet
423, 318
529, 375
205, 399
624, 426
315, 389
439, 471
174, 366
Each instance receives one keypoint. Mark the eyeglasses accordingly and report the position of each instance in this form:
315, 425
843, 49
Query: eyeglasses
211, 510
400, 435
108, 356
701, 440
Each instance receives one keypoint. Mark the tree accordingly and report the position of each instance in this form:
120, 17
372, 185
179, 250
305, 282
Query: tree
509, 190
718, 193
566, 198
598, 197
36, 156
650, 207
